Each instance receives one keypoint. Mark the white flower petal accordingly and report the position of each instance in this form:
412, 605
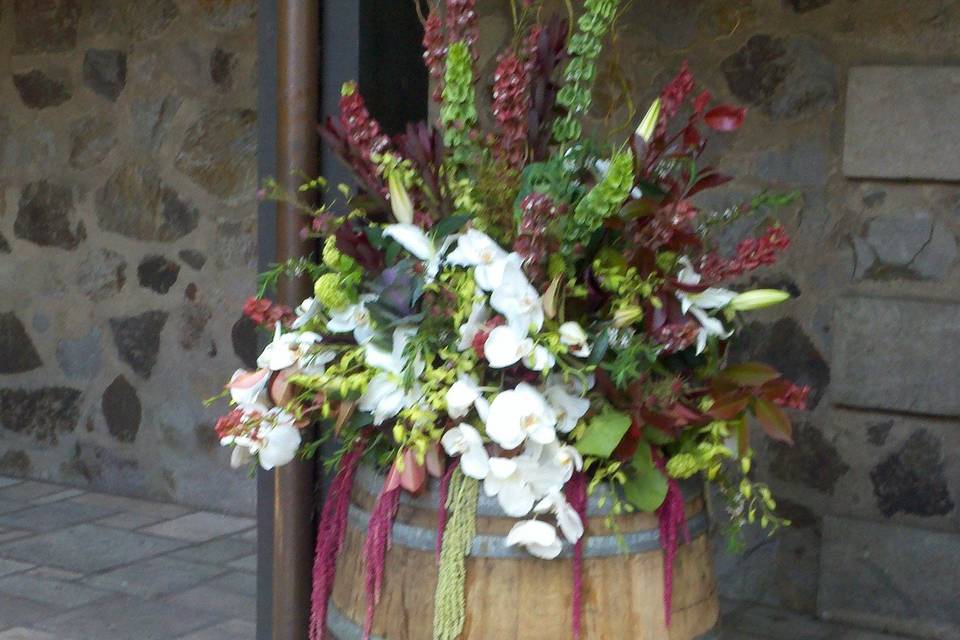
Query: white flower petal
412, 238
504, 347
475, 463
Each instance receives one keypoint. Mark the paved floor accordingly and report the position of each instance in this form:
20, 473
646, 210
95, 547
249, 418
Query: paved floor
76, 565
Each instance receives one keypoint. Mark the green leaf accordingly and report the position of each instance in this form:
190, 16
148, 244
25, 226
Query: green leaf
449, 225
603, 433
657, 436
773, 419
749, 374
643, 457
646, 490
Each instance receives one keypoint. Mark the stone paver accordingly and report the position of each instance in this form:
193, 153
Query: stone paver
155, 577
61, 595
51, 516
218, 551
19, 633
229, 630
28, 490
200, 526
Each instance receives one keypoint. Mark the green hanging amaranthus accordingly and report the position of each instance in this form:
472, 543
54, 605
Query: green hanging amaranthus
578, 76
449, 609
602, 201
458, 113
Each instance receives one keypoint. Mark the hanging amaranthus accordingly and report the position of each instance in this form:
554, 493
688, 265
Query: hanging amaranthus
443, 492
576, 491
375, 547
330, 534
511, 107
449, 613
672, 520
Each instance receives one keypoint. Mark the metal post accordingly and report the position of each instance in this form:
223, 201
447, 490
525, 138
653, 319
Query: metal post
292, 495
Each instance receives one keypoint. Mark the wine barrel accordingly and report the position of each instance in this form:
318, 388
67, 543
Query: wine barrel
511, 595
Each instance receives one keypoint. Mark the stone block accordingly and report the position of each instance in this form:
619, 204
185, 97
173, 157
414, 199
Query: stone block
154, 577
889, 577
230, 630
62, 595
901, 123
897, 354
127, 617
49, 517
200, 527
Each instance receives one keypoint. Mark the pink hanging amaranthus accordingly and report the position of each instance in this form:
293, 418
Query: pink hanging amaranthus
330, 533
576, 491
443, 492
673, 520
379, 531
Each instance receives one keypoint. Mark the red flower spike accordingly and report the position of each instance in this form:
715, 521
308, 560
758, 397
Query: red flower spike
511, 106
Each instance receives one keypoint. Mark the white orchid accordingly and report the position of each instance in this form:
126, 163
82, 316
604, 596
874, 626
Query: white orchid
315, 361
479, 314
478, 250
248, 389
550, 465
697, 304
465, 441
505, 346
286, 349
355, 318
568, 407
418, 243
507, 480
275, 441
574, 337
538, 538
518, 301
569, 521
306, 312
464, 394
518, 414
384, 397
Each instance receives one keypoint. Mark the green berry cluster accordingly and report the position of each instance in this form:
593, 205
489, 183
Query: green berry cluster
458, 113
602, 201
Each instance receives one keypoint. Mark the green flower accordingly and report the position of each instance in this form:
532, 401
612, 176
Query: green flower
329, 291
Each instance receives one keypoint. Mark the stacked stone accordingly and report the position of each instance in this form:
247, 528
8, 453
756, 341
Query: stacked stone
127, 240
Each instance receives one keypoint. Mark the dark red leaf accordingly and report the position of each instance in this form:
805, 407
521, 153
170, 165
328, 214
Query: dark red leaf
709, 181
774, 420
729, 409
725, 118
701, 101
691, 136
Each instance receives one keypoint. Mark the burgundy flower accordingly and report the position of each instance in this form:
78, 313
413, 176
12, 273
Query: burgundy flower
750, 254
266, 313
511, 107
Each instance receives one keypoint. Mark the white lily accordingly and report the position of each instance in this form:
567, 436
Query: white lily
418, 243
306, 312
355, 318
518, 414
286, 349
275, 441
518, 301
479, 314
697, 304
571, 525
506, 481
538, 538
464, 394
478, 250
400, 199
574, 337
465, 441
568, 407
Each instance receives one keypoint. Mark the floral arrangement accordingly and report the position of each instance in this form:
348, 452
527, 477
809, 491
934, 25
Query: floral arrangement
518, 308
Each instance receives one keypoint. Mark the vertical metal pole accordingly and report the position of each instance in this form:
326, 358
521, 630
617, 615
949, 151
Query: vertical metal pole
298, 32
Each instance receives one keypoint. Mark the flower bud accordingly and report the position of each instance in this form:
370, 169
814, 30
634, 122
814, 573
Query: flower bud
626, 316
758, 299
649, 122
400, 199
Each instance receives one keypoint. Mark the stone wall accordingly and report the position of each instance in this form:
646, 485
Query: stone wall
127, 240
853, 104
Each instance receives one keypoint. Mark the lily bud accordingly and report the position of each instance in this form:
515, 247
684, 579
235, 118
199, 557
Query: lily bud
626, 316
400, 199
758, 299
649, 122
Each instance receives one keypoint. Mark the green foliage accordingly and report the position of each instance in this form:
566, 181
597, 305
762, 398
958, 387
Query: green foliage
458, 113
645, 488
330, 292
581, 70
630, 362
602, 201
603, 433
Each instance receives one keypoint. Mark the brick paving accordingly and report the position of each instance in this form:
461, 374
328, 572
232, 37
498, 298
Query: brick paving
77, 565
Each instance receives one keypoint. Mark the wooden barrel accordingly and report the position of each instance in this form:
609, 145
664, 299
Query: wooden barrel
511, 595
